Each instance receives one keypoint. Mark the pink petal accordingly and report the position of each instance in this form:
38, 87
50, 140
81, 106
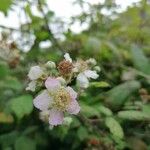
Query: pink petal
42, 101
52, 83
72, 93
74, 107
56, 117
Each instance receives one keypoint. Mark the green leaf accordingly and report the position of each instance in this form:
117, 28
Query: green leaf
88, 110
82, 133
5, 5
134, 115
3, 71
8, 138
25, 143
21, 106
117, 96
114, 127
139, 59
104, 110
11, 83
101, 84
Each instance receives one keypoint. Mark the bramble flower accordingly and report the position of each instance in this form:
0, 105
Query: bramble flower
85, 72
57, 99
35, 73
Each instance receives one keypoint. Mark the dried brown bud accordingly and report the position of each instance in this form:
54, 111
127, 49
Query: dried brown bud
65, 67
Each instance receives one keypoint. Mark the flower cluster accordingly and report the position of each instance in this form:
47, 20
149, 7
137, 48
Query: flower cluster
56, 97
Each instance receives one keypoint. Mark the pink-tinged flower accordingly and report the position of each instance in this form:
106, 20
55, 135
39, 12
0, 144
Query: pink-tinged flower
35, 73
57, 99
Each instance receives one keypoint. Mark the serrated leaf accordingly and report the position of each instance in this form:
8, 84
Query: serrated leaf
114, 127
101, 84
134, 115
139, 59
25, 143
21, 106
117, 96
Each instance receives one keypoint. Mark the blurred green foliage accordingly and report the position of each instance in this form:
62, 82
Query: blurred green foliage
115, 110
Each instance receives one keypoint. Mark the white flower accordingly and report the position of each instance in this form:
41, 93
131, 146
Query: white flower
35, 73
67, 57
31, 86
82, 78
51, 64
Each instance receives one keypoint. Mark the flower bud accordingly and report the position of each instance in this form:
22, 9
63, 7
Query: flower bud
50, 64
67, 121
92, 61
35, 73
97, 68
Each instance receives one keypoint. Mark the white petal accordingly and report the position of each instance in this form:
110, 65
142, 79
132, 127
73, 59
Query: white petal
43, 101
82, 80
91, 74
31, 86
67, 57
35, 73
56, 117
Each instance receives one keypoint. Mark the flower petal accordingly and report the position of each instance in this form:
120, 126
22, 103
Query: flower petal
74, 107
35, 73
67, 57
56, 117
91, 74
42, 101
82, 80
52, 83
72, 93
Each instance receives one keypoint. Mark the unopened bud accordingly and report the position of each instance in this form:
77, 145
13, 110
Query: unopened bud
92, 61
51, 65
97, 68
67, 121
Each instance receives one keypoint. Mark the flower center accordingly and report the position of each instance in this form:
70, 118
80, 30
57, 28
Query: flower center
61, 99
82, 65
65, 67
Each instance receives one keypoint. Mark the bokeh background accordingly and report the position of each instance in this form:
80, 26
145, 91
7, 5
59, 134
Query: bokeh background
115, 110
